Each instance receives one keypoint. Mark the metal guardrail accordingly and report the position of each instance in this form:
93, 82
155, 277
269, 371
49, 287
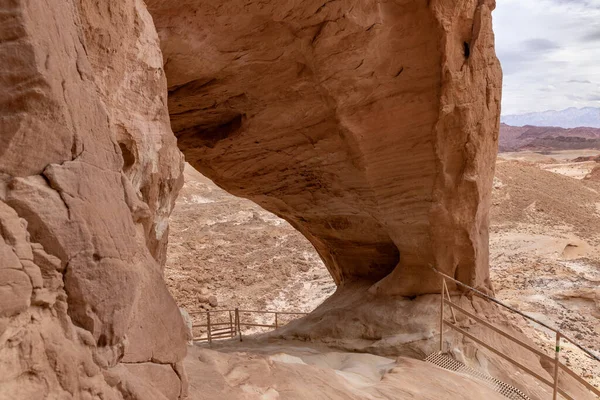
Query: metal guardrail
233, 327
445, 299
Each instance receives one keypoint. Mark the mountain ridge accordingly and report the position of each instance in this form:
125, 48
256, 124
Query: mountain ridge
571, 117
528, 137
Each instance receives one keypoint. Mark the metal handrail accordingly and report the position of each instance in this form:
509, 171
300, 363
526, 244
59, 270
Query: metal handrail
235, 324
249, 311
557, 364
493, 299
588, 352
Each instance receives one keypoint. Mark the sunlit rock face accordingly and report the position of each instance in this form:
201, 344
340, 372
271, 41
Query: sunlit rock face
89, 170
371, 126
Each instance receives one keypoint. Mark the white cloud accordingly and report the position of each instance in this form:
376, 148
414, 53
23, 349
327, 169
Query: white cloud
550, 51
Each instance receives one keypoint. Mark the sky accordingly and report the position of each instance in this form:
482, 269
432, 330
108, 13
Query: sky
550, 54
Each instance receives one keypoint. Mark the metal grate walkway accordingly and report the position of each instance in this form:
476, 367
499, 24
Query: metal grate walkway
444, 361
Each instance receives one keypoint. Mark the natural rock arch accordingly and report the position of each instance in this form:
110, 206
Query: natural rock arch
371, 126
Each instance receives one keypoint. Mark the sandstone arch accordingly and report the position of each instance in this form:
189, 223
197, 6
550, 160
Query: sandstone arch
366, 124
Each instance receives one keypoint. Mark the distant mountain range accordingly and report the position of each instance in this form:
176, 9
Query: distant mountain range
569, 118
547, 138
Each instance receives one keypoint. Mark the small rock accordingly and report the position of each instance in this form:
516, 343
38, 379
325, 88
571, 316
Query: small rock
202, 299
212, 300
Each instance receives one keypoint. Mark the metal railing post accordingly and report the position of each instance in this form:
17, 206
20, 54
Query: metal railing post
231, 325
556, 365
555, 383
276, 322
449, 299
442, 315
208, 333
237, 321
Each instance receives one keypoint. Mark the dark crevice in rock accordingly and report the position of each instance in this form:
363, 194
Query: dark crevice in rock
128, 156
209, 137
191, 87
318, 32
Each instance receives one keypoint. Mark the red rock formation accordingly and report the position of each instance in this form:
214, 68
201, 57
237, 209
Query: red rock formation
545, 138
371, 126
89, 170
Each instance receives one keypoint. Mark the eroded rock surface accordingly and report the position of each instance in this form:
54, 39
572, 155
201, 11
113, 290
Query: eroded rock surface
301, 373
371, 126
89, 170
356, 321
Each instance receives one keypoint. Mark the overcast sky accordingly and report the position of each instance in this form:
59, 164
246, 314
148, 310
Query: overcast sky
550, 53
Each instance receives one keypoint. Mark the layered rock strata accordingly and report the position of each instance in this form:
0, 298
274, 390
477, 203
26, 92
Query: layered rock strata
371, 126
89, 170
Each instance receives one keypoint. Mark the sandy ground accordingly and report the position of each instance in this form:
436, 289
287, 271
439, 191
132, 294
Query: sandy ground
544, 252
547, 156
572, 170
227, 252
559, 162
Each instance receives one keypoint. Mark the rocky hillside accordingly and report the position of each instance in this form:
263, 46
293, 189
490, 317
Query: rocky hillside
545, 232
546, 138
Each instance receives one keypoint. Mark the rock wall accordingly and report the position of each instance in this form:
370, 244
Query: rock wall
89, 170
370, 125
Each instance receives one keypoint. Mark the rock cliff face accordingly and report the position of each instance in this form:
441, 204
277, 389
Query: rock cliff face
89, 170
371, 126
